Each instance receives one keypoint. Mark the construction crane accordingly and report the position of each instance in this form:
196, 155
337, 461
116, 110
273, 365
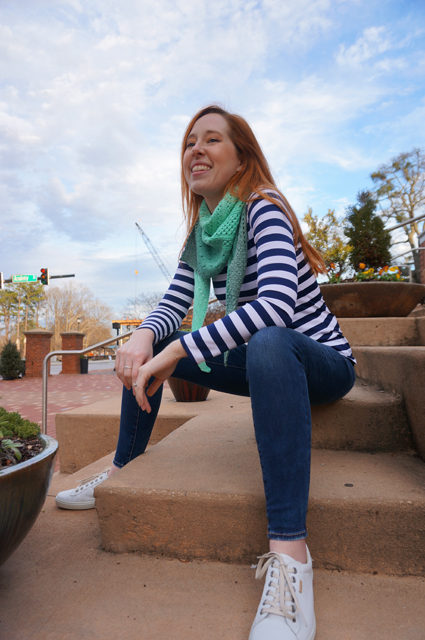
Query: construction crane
155, 254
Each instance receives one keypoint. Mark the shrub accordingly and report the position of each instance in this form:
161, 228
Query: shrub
12, 424
11, 363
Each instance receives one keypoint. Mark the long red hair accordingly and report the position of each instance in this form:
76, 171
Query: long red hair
254, 176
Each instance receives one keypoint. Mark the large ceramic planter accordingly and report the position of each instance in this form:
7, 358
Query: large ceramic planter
23, 490
372, 299
187, 391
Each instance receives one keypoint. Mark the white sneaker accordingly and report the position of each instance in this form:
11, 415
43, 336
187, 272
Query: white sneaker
286, 610
81, 497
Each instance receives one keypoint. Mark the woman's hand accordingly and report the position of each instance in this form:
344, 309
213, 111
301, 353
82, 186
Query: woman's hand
161, 367
134, 353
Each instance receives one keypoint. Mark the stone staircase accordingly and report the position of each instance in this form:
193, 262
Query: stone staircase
197, 492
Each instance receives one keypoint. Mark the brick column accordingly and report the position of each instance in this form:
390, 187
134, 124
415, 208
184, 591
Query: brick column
71, 341
38, 346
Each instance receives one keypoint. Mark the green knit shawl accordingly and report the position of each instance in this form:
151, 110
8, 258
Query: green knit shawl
217, 240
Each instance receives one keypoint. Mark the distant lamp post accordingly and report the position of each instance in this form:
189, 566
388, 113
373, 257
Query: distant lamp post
78, 323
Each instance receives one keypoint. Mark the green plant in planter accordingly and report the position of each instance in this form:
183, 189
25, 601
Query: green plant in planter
11, 363
385, 274
9, 446
17, 425
13, 428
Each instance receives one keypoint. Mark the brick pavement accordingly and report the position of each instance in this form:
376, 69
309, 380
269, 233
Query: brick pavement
65, 392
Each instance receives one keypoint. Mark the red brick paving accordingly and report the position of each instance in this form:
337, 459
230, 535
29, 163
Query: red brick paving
65, 392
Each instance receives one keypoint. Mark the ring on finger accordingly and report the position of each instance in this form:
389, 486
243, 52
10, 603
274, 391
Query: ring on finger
128, 367
134, 384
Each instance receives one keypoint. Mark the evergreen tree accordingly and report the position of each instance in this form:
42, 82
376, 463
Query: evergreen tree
11, 363
367, 236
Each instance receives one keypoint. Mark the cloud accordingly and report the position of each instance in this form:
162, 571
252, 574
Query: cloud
303, 122
95, 96
373, 42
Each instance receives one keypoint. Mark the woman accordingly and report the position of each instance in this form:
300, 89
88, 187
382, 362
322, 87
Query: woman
278, 343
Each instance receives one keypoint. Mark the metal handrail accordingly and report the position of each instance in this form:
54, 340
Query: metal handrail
69, 353
406, 222
410, 251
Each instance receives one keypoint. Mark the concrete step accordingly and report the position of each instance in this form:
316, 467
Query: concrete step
88, 593
401, 371
198, 494
384, 332
367, 419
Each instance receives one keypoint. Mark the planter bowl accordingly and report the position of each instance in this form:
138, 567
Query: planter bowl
187, 391
372, 299
23, 490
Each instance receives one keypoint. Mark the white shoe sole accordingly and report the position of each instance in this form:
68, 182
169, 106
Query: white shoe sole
77, 506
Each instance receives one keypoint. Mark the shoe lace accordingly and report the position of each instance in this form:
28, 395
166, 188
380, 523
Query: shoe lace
276, 601
90, 479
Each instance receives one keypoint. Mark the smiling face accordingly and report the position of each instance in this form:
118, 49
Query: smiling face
210, 158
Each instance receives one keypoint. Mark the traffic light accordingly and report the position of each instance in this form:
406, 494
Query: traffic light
44, 278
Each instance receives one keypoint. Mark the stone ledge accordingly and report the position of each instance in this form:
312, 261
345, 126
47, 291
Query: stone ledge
384, 332
365, 420
400, 371
88, 433
199, 494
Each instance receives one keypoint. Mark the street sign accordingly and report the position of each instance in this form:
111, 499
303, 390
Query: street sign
29, 278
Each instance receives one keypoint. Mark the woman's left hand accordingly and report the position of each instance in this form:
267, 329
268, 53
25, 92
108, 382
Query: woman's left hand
160, 367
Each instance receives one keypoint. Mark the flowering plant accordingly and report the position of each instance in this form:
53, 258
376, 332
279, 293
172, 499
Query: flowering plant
384, 274
333, 274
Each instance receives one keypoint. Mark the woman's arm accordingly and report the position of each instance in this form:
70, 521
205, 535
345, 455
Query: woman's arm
132, 355
173, 308
161, 367
277, 277
160, 323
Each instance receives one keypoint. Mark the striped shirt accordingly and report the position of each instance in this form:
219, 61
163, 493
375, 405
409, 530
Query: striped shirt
279, 289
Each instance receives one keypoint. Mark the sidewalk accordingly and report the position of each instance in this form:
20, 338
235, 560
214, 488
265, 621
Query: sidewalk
61, 585
65, 392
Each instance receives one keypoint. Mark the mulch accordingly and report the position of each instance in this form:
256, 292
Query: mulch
28, 447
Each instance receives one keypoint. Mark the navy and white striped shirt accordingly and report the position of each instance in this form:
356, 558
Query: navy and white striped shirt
279, 289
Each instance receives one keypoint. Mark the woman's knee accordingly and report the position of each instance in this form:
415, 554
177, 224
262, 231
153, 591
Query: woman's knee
270, 348
268, 339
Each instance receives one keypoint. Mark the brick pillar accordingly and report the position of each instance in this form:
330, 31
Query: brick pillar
38, 346
71, 341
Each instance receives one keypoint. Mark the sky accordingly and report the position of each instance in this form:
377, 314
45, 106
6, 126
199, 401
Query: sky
95, 96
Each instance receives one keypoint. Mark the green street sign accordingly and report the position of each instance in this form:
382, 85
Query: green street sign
29, 278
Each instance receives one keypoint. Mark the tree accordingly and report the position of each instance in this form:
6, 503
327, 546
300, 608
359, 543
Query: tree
28, 295
143, 304
7, 307
327, 236
74, 308
366, 233
11, 363
15, 299
400, 189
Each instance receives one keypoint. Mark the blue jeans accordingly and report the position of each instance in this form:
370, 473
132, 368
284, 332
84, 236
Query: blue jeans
284, 372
